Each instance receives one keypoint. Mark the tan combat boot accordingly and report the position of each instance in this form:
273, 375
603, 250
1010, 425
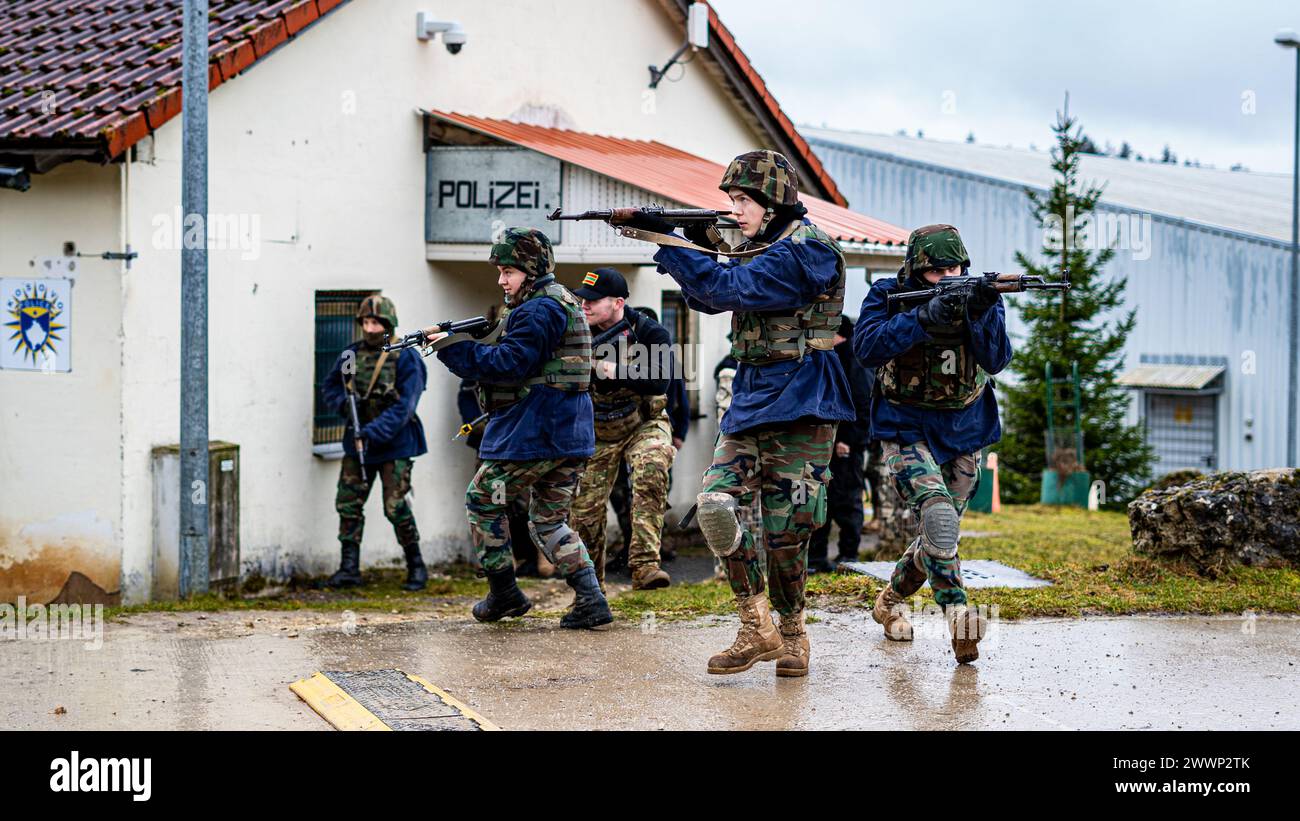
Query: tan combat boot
650, 577
794, 639
757, 640
967, 627
889, 612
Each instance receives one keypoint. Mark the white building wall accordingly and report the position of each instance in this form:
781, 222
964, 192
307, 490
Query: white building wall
60, 433
1198, 291
317, 150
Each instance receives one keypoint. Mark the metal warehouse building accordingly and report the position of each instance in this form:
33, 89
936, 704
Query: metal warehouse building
1206, 253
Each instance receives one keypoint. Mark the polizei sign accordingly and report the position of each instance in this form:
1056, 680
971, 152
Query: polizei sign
473, 192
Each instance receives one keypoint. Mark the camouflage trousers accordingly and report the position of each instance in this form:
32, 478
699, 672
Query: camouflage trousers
350, 499
553, 484
649, 453
787, 467
921, 482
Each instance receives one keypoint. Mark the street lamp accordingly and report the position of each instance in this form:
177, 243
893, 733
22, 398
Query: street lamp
1287, 38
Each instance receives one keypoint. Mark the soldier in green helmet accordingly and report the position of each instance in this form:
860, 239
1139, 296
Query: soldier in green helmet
933, 410
534, 384
788, 394
388, 387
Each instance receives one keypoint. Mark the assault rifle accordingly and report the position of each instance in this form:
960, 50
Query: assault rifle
965, 285
676, 216
355, 417
478, 328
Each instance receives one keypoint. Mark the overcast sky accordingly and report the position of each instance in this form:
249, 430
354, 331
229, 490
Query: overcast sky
1151, 73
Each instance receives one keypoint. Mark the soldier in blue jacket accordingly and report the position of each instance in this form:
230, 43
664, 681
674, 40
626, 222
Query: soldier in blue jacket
534, 382
388, 387
933, 409
788, 394
844, 493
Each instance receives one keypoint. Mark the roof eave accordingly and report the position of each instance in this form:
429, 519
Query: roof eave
757, 105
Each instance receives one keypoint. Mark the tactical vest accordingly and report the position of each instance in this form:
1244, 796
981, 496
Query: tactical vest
621, 411
940, 374
384, 394
568, 369
760, 338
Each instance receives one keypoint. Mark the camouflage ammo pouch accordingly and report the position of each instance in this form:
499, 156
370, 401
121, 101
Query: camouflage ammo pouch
941, 374
761, 338
381, 388
568, 369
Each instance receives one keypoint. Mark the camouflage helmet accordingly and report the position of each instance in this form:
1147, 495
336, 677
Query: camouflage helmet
381, 308
766, 173
526, 249
934, 246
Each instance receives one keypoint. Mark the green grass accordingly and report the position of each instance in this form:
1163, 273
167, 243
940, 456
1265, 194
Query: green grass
1085, 554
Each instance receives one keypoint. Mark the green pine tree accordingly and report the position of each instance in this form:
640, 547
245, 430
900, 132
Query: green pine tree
1068, 327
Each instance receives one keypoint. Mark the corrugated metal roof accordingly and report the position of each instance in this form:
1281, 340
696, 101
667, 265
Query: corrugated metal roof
106, 74
663, 170
1247, 201
1182, 377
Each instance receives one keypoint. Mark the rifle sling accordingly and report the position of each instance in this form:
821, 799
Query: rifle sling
374, 377
677, 242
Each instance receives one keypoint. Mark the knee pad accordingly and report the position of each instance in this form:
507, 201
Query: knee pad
717, 517
550, 535
939, 528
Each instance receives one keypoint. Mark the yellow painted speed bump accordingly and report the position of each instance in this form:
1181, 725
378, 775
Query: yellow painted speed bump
385, 700
334, 705
483, 723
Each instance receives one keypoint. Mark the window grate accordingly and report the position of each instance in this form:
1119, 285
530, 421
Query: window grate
336, 328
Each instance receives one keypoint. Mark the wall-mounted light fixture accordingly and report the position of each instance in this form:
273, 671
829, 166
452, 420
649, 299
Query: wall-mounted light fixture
697, 37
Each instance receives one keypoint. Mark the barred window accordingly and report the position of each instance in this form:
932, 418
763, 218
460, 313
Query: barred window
336, 328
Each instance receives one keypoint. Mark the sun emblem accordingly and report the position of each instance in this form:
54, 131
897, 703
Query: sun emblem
34, 309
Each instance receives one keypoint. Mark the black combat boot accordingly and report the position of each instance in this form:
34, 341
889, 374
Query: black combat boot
504, 597
349, 572
417, 576
590, 609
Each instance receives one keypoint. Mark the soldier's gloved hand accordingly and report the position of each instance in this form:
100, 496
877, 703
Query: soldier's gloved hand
650, 222
984, 296
698, 233
942, 309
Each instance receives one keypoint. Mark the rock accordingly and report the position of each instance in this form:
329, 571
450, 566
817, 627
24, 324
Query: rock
1222, 520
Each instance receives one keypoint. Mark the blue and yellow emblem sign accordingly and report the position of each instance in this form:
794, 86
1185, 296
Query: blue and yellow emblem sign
37, 321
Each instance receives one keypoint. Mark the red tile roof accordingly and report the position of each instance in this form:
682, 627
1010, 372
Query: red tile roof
102, 74
663, 170
107, 72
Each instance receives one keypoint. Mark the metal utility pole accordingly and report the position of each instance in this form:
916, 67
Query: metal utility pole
1292, 411
1289, 39
194, 302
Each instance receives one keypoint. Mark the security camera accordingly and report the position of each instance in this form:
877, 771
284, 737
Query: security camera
15, 178
453, 36
454, 40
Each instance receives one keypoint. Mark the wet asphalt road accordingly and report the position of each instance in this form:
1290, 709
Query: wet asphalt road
232, 671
